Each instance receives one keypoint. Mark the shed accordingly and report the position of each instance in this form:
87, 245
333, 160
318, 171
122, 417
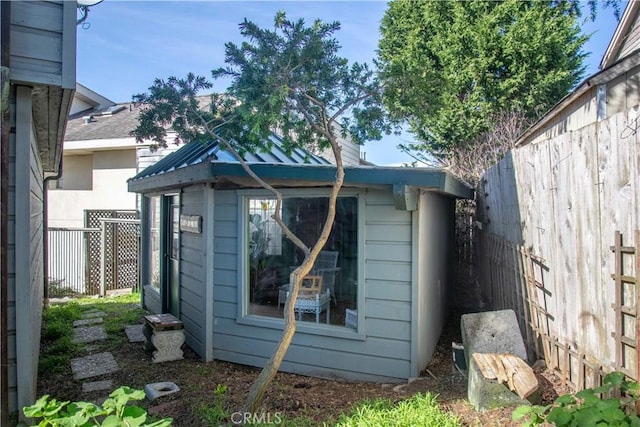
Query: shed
213, 257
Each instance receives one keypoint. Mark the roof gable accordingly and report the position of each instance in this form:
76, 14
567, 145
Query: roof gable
626, 38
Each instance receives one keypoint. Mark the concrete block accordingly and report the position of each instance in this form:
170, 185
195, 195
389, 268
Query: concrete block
135, 333
155, 390
490, 332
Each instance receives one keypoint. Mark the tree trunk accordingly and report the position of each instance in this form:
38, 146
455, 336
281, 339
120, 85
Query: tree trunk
270, 369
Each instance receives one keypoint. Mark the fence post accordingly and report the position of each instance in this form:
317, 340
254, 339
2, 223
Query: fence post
103, 257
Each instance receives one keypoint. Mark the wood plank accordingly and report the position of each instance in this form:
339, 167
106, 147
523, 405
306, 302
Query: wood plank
508, 369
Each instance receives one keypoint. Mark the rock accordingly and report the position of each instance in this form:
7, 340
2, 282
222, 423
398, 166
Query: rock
490, 332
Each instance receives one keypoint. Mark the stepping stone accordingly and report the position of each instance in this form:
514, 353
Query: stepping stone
96, 386
93, 365
89, 321
90, 348
85, 334
93, 313
134, 333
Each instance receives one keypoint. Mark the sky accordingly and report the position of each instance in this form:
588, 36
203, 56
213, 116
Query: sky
124, 45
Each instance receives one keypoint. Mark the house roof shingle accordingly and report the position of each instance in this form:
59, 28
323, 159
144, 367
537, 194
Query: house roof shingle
103, 125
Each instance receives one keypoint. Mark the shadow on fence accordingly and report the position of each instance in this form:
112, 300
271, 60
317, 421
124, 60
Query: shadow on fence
511, 277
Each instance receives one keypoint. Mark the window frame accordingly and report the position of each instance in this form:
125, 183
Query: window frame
243, 317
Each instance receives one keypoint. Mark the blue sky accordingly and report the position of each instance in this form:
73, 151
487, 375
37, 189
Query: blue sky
129, 43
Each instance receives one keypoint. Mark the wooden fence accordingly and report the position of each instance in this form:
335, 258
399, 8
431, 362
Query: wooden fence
512, 277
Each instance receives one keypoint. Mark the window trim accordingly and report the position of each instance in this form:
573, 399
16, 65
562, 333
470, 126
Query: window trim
242, 316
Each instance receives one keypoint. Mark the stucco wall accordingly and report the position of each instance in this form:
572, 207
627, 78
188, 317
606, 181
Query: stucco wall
109, 173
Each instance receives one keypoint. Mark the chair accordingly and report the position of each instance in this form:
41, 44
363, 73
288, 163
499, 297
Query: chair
312, 299
326, 266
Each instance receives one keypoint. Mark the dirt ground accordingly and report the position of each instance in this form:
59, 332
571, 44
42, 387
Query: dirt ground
293, 395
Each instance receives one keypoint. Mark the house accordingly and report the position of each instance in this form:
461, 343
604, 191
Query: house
38, 43
563, 192
99, 156
212, 257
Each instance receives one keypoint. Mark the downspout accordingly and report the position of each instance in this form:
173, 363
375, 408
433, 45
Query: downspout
45, 237
5, 27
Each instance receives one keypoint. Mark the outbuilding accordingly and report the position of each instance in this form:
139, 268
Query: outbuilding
213, 257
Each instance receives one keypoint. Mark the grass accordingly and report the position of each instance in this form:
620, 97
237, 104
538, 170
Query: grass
418, 410
57, 336
57, 327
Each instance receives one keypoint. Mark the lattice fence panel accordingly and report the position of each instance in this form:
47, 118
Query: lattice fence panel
126, 239
93, 219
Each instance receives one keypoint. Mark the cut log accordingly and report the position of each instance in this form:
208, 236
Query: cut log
510, 370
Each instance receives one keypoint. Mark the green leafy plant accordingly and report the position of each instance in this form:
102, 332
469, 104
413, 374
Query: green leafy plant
215, 414
589, 407
114, 412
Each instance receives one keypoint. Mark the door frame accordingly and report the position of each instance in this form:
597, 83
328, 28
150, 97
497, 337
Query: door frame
168, 201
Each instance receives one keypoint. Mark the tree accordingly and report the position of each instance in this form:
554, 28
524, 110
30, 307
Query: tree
288, 79
452, 67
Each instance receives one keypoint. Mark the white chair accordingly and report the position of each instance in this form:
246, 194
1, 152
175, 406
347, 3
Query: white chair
312, 298
326, 266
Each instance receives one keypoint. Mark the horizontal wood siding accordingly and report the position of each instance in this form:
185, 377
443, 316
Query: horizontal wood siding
25, 262
383, 354
632, 39
38, 49
192, 261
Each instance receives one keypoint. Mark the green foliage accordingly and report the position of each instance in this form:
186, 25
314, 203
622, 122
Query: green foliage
588, 407
451, 67
289, 78
418, 410
57, 346
114, 412
215, 414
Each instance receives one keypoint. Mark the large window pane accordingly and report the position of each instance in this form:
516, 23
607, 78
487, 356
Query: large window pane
271, 258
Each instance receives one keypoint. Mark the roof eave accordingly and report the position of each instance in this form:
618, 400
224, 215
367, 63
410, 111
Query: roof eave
623, 65
622, 30
436, 180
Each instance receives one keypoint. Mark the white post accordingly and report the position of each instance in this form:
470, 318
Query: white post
103, 257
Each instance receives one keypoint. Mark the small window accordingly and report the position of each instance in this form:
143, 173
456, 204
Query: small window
154, 242
329, 295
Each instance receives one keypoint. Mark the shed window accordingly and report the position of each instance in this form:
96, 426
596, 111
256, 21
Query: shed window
271, 257
154, 242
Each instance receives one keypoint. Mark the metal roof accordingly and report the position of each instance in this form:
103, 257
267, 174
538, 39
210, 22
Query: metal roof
197, 152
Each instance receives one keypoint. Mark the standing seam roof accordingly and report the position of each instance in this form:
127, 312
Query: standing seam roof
196, 152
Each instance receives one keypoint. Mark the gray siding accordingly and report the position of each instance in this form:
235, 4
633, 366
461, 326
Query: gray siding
384, 350
25, 255
435, 244
43, 40
192, 262
632, 40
